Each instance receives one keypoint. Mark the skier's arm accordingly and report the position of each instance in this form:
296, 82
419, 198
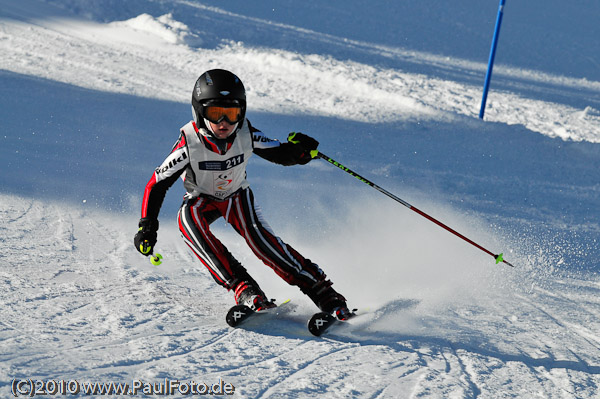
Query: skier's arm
163, 178
156, 189
287, 153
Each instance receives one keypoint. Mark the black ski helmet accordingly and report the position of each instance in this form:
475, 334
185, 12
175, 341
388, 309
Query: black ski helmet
217, 87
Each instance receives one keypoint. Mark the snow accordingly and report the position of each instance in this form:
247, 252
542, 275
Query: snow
93, 94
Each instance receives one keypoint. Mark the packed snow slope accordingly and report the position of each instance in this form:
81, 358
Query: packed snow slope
93, 94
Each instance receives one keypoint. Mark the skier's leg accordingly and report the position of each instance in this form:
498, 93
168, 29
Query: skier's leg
194, 219
288, 263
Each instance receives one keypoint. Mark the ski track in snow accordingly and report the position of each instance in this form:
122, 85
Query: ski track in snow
102, 314
77, 303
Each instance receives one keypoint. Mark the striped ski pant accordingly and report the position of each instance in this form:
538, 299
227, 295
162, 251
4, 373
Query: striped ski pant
240, 211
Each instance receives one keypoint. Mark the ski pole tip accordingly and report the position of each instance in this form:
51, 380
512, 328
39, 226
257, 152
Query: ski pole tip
156, 260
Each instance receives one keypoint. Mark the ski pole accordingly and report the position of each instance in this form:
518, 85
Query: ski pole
316, 154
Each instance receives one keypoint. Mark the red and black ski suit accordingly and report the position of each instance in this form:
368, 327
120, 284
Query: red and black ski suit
214, 173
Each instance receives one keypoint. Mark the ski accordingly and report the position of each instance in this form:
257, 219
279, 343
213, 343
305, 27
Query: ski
320, 322
238, 314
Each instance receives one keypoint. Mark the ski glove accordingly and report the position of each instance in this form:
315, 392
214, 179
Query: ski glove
306, 146
145, 238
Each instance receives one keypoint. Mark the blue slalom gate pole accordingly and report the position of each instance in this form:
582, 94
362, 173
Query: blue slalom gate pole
488, 75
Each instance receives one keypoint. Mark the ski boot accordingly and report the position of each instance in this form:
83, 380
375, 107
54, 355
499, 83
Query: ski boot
252, 296
329, 300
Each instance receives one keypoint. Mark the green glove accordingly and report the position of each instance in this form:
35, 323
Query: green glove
145, 238
306, 147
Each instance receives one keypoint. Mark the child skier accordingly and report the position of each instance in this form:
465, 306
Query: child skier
211, 154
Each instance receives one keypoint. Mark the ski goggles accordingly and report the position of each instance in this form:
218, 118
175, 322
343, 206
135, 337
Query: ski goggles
217, 114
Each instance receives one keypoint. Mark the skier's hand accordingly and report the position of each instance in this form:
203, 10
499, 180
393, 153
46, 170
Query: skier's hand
145, 238
307, 146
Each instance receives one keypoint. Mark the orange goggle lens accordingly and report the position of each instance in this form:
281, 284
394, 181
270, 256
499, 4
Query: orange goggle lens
217, 114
